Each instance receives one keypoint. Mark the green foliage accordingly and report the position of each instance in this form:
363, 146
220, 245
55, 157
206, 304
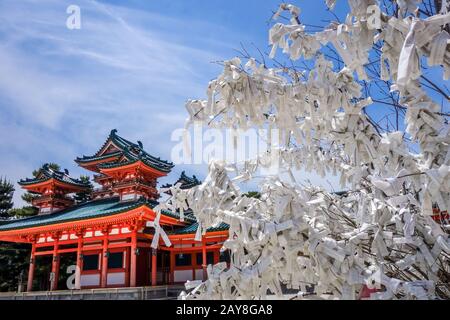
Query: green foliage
66, 260
14, 262
253, 194
84, 196
6, 196
51, 165
14, 257
28, 197
23, 212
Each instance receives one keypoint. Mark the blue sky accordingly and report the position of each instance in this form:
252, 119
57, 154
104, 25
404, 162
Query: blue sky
131, 66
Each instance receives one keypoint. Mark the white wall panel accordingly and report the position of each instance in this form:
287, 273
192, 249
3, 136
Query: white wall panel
182, 275
116, 278
90, 280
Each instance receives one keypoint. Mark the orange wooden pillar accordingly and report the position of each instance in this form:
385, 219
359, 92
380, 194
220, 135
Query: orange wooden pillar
133, 259
154, 266
79, 261
204, 263
105, 254
31, 269
127, 266
55, 264
193, 261
172, 267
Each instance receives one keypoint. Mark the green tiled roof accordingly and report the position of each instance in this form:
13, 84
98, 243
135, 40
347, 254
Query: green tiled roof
186, 181
131, 151
176, 215
46, 173
193, 228
88, 210
94, 157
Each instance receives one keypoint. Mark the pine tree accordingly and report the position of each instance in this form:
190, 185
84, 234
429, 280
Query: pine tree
26, 211
14, 262
28, 197
84, 196
6, 196
29, 210
13, 256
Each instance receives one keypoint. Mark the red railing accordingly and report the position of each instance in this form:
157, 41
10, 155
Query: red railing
440, 216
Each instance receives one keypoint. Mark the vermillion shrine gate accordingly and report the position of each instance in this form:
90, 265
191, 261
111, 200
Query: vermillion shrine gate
110, 235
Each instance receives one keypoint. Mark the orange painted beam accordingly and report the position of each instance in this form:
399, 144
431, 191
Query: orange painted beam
58, 252
192, 249
208, 240
136, 165
114, 237
84, 249
191, 236
44, 253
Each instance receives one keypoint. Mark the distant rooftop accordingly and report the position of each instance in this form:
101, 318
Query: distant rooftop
46, 173
186, 182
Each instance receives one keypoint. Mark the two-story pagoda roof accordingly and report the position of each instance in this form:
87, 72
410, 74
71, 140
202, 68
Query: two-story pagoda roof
48, 175
119, 152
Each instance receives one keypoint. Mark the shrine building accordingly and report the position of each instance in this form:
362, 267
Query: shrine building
108, 237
